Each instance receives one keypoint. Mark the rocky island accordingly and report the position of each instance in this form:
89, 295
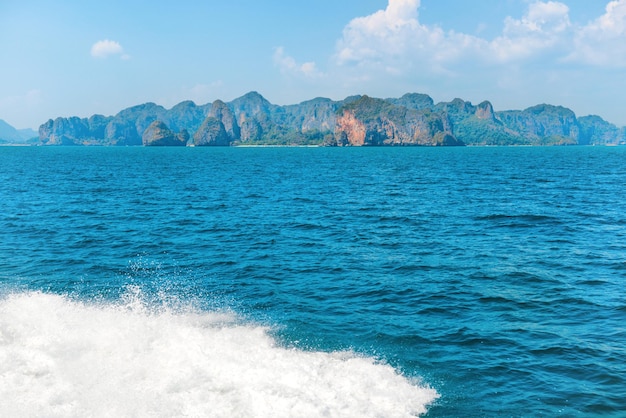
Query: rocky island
413, 119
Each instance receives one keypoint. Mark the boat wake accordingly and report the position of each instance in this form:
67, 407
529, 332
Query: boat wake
62, 357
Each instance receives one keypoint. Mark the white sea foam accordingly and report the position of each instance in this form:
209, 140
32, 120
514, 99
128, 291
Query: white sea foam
63, 358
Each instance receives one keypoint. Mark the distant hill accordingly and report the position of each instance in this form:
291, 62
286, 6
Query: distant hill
10, 135
413, 119
28, 134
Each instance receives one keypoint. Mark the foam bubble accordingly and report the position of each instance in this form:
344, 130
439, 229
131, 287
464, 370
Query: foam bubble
60, 357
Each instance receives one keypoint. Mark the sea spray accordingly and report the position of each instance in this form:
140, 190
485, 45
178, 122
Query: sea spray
62, 357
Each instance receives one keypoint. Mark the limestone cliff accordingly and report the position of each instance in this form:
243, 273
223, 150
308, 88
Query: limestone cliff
544, 125
125, 128
64, 131
253, 114
377, 122
412, 119
594, 130
158, 134
212, 132
414, 101
476, 125
223, 113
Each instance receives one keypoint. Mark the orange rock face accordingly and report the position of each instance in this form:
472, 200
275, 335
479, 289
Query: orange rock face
352, 129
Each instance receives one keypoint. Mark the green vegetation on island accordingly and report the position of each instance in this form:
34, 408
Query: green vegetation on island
413, 119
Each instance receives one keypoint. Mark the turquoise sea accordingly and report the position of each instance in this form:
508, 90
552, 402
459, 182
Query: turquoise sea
306, 282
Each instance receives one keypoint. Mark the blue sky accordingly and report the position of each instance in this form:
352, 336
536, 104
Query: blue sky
67, 57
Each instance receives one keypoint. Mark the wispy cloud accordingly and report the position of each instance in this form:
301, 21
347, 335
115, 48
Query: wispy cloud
30, 98
107, 48
288, 65
203, 93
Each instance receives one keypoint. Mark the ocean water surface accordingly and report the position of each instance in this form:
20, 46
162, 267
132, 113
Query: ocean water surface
279, 282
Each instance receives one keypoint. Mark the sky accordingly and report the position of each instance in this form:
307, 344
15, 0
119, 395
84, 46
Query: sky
77, 58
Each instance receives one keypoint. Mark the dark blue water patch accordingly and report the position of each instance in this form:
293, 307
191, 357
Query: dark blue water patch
529, 218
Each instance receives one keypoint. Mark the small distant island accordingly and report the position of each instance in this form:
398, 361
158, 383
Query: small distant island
411, 120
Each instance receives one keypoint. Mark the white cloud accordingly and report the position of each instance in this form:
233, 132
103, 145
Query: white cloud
394, 41
602, 42
541, 17
395, 36
543, 27
106, 48
384, 33
288, 65
613, 22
